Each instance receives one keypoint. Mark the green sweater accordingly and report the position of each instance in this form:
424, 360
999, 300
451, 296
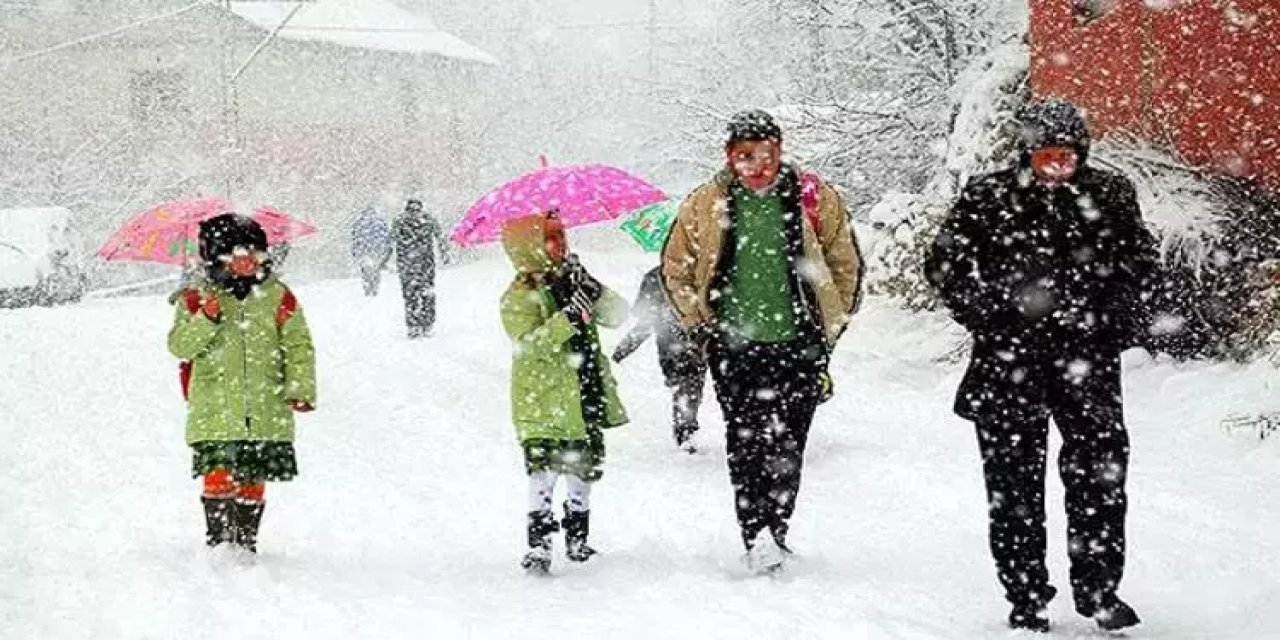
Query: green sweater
759, 305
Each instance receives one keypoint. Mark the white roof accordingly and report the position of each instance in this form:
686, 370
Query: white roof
366, 24
26, 237
29, 228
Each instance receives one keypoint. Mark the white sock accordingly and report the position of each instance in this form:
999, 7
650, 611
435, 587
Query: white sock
542, 486
579, 494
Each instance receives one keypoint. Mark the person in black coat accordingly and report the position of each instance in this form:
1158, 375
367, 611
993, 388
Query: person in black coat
418, 242
1048, 265
682, 363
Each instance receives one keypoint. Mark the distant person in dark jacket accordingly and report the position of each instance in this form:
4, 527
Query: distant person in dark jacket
682, 363
1048, 265
419, 241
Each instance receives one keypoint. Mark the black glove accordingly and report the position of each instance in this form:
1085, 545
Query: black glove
627, 347
560, 286
579, 279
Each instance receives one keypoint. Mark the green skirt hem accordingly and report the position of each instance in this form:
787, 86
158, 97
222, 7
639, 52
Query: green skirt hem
248, 461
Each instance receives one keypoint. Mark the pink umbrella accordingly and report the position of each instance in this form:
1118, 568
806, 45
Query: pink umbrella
583, 194
166, 233
280, 226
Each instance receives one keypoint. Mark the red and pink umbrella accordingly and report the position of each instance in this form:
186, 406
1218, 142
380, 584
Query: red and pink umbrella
583, 194
167, 233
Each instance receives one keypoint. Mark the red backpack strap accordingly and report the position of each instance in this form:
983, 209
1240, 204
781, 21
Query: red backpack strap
184, 378
288, 306
810, 189
191, 298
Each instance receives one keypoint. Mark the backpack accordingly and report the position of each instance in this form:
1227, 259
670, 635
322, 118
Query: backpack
191, 298
810, 186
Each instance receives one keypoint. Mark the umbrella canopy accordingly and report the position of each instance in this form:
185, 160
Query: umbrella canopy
167, 233
583, 194
650, 225
280, 226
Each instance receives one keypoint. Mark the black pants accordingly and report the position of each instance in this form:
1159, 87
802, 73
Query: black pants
768, 393
1094, 459
686, 384
419, 289
371, 277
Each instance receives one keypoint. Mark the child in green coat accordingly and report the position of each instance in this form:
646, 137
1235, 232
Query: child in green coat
562, 393
248, 366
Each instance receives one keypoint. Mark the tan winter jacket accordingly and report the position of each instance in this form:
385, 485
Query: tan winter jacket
831, 264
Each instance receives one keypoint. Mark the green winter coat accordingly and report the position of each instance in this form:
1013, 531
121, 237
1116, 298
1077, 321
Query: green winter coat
546, 398
247, 366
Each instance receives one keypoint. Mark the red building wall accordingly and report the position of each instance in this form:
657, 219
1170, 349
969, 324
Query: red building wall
1200, 76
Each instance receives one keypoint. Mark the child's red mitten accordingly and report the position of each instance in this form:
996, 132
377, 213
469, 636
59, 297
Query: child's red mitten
212, 309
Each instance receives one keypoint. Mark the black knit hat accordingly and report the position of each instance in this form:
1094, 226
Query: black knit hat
1051, 123
753, 125
220, 235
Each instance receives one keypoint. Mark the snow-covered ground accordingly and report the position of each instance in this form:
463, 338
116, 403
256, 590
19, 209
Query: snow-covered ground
408, 519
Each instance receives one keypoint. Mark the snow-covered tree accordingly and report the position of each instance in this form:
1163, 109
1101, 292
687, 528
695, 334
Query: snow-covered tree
865, 88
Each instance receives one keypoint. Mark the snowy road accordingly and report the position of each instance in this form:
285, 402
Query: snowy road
407, 521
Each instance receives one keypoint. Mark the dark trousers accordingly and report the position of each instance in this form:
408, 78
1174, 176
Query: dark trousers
370, 277
419, 289
1093, 463
768, 393
686, 397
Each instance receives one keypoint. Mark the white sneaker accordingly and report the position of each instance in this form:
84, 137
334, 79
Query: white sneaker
765, 555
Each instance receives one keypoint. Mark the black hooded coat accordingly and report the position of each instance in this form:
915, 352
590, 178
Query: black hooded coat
1041, 274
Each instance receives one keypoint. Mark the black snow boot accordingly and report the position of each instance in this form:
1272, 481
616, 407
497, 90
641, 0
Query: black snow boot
684, 437
1030, 615
541, 525
1110, 613
577, 526
248, 515
217, 521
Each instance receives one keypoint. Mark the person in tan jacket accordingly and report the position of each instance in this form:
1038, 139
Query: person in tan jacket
763, 271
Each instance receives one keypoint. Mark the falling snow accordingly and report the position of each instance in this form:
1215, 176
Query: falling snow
1111, 329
